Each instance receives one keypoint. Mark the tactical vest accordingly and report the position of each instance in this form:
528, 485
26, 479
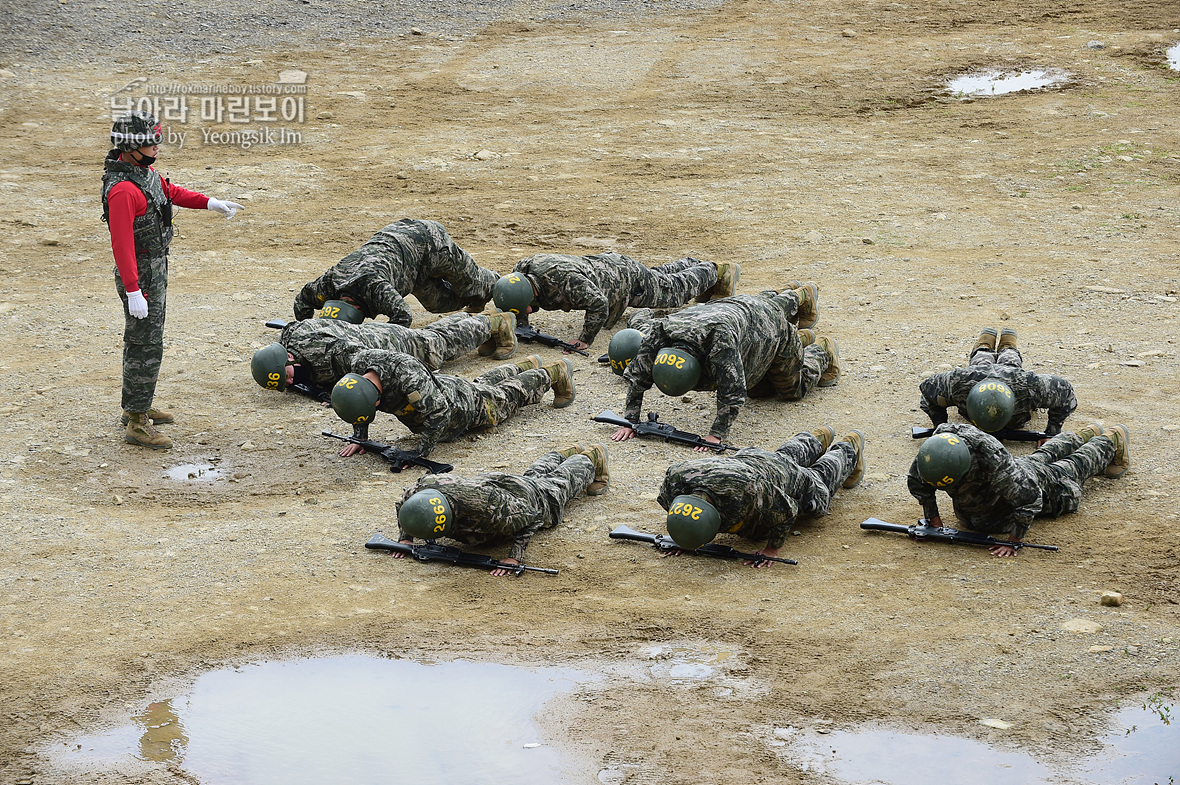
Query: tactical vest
153, 229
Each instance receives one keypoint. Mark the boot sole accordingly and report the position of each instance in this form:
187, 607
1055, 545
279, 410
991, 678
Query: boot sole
133, 440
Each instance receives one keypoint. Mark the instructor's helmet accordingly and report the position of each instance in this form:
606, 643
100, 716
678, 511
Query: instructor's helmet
692, 522
135, 130
513, 293
943, 460
342, 311
990, 405
354, 399
623, 348
675, 371
426, 515
269, 367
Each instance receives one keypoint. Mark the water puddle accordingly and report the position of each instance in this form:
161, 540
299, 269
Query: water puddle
1142, 750
1174, 58
193, 472
999, 83
344, 719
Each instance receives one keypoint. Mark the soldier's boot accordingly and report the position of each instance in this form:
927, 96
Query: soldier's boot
808, 313
857, 440
727, 278
826, 435
986, 340
564, 389
601, 459
831, 375
806, 337
140, 431
157, 416
570, 449
530, 363
1007, 340
1122, 447
1088, 432
502, 344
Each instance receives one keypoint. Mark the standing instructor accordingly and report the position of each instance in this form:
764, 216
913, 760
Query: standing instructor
137, 206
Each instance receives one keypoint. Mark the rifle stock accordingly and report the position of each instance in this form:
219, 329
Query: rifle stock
431, 551
1003, 434
398, 459
276, 324
663, 542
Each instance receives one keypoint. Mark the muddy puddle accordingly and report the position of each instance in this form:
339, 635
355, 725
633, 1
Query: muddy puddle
194, 472
992, 83
1174, 58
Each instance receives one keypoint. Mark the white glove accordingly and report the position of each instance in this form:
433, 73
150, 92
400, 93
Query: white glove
137, 305
228, 209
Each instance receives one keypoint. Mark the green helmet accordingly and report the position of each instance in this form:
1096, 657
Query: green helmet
426, 515
692, 522
135, 130
675, 371
513, 293
943, 460
345, 312
354, 398
623, 348
990, 405
269, 367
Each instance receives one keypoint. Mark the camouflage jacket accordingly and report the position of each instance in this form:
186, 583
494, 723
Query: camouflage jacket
999, 493
735, 339
493, 506
326, 347
600, 285
1032, 391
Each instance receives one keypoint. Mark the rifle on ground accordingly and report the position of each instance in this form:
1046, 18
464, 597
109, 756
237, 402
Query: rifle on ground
529, 334
310, 390
653, 427
604, 359
276, 324
398, 459
1003, 434
924, 531
664, 543
432, 551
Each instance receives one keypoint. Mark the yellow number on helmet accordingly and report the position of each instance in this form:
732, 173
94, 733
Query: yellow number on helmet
679, 362
696, 513
440, 528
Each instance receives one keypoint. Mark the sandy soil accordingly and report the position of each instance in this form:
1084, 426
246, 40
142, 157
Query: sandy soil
804, 140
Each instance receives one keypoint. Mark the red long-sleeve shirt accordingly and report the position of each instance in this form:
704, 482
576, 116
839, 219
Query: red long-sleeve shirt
125, 203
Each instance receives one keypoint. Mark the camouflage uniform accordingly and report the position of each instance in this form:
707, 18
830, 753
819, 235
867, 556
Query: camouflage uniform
440, 408
143, 339
325, 347
758, 493
407, 257
746, 345
1031, 390
606, 284
499, 506
1001, 493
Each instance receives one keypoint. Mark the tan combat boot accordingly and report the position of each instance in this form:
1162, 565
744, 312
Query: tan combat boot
569, 449
140, 431
1088, 432
502, 344
832, 374
857, 440
808, 313
986, 340
601, 459
1007, 340
530, 363
727, 278
1122, 446
806, 337
157, 416
826, 435
562, 375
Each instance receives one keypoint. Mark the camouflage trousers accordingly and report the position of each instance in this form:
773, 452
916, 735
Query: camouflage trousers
985, 357
824, 470
1063, 464
505, 389
143, 339
673, 284
791, 378
450, 337
561, 478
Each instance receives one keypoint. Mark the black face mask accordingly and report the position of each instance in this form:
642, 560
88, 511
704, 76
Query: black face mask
142, 160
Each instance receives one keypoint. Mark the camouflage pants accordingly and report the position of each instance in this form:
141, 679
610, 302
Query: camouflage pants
984, 357
505, 389
143, 339
673, 284
450, 337
561, 478
455, 280
791, 378
827, 470
1063, 465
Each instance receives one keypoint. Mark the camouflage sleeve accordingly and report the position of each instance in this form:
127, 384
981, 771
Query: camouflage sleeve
403, 379
521, 540
729, 375
780, 527
582, 294
1009, 480
385, 299
308, 300
922, 491
935, 397
1056, 395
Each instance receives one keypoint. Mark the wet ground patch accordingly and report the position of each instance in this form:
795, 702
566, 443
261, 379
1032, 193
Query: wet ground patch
986, 84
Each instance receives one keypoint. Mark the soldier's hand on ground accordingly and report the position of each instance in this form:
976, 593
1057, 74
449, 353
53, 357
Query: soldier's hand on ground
137, 305
399, 554
501, 571
772, 552
711, 440
672, 552
577, 345
350, 449
1003, 550
228, 209
622, 435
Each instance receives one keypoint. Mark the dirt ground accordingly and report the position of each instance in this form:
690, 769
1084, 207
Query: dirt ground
802, 139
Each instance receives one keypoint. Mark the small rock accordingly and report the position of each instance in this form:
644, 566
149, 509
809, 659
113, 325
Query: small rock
1105, 289
51, 240
1132, 650
1081, 626
1095, 45
6, 74
247, 445
1099, 649
415, 31
867, 240
484, 155
118, 499
325, 116
991, 723
293, 76
812, 237
848, 32
1112, 598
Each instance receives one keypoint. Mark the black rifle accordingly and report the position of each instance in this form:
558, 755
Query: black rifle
924, 531
604, 359
665, 544
432, 551
653, 427
530, 335
398, 459
276, 324
311, 391
1003, 434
